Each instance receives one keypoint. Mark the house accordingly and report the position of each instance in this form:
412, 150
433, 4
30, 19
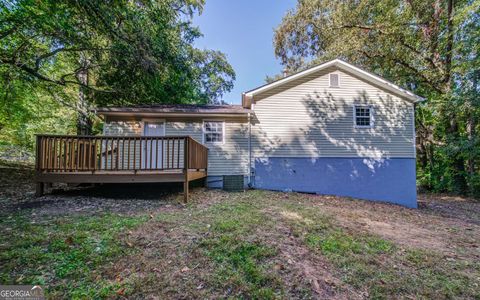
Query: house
331, 129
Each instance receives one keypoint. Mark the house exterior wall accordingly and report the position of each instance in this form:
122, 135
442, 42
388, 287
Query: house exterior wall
304, 139
309, 119
228, 158
388, 180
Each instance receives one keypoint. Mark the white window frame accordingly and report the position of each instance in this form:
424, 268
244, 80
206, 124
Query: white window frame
372, 116
204, 132
330, 80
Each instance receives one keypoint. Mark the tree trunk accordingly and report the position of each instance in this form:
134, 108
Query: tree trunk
449, 46
471, 124
458, 163
84, 122
471, 135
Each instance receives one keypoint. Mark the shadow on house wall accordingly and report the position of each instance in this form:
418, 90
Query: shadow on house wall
328, 155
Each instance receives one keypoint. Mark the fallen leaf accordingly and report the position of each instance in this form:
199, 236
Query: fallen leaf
185, 269
69, 240
329, 282
121, 292
450, 259
200, 286
278, 267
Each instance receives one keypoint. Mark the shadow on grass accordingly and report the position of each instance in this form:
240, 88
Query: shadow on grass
122, 191
144, 191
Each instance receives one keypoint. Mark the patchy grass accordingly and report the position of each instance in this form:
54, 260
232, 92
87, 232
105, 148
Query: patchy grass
64, 254
241, 259
252, 245
380, 266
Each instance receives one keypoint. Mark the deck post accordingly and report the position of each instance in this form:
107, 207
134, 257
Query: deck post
39, 186
185, 170
39, 189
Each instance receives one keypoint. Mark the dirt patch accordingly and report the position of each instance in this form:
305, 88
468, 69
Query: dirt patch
406, 234
453, 207
167, 264
436, 225
302, 264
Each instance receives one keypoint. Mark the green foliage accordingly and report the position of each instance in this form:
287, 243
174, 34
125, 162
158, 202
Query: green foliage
83, 54
430, 47
27, 110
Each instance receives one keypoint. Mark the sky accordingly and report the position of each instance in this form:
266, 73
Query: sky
243, 30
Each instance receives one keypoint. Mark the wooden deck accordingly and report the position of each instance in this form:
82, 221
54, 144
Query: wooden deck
119, 159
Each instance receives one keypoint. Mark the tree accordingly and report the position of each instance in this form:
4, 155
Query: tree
88, 53
430, 47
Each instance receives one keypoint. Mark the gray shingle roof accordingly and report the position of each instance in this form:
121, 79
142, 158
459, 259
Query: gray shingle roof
176, 108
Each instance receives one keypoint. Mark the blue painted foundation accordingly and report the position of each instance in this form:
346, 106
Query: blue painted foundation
388, 180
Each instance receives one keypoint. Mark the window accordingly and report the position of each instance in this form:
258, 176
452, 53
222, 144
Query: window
213, 132
363, 116
334, 80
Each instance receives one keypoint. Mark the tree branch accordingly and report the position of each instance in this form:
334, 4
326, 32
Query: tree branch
401, 40
62, 81
7, 32
39, 59
405, 65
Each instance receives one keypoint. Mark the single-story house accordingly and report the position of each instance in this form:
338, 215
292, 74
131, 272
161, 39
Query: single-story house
331, 129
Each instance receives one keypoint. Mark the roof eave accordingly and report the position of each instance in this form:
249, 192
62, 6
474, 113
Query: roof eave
409, 96
170, 114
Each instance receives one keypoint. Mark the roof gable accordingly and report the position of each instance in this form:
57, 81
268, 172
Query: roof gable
341, 65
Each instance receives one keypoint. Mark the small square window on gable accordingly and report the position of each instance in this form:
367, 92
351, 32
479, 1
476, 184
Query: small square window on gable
334, 80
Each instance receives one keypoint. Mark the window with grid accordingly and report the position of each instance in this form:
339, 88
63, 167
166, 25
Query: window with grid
363, 116
213, 132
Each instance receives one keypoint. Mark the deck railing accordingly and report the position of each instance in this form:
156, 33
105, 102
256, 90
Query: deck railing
70, 153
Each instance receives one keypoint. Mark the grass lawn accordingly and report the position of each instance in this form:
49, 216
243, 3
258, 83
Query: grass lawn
94, 244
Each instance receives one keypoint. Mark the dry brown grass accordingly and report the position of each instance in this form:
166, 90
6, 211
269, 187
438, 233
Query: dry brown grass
256, 244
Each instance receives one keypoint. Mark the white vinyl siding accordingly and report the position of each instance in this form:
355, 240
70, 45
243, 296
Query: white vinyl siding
310, 119
123, 127
227, 158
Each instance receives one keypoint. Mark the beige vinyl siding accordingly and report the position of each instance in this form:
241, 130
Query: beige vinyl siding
121, 127
310, 119
228, 158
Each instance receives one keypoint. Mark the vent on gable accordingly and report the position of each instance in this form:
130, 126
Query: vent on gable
334, 80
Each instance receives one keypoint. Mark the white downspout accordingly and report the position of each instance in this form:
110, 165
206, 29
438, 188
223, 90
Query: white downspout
249, 151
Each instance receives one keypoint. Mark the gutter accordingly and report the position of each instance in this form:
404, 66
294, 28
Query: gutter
166, 115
